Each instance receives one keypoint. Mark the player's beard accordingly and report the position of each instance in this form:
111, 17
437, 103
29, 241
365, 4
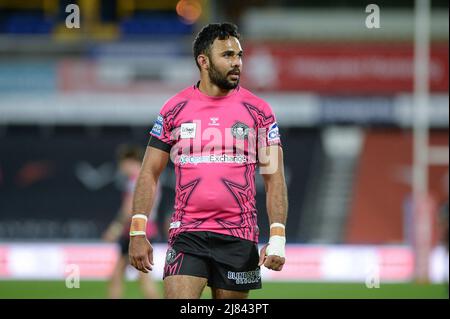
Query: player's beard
219, 79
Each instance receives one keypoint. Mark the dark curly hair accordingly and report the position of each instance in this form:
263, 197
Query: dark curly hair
126, 152
205, 38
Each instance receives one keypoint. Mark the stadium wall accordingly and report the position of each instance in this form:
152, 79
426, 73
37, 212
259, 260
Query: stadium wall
312, 263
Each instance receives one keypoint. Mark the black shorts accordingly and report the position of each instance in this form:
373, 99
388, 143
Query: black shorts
227, 262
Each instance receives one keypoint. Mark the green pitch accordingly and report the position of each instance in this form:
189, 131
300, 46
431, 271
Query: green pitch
98, 289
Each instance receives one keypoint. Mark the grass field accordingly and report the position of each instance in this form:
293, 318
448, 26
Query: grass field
272, 290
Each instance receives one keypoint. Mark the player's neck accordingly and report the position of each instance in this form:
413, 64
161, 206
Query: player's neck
207, 87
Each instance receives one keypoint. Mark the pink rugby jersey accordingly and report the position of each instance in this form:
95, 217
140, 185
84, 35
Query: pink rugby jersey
213, 144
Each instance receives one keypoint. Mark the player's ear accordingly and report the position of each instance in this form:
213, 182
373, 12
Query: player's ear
203, 61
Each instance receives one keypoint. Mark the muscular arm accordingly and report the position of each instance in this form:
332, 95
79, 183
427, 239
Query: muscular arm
275, 185
155, 160
153, 164
272, 171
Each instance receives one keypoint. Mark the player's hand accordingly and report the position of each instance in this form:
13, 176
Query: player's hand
141, 253
271, 262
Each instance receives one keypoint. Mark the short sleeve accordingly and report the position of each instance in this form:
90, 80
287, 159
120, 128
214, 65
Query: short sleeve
160, 135
268, 130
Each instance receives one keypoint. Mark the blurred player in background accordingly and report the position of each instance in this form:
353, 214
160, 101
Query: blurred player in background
129, 161
444, 225
214, 233
444, 215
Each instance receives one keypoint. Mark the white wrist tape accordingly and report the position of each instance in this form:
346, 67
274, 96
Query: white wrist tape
277, 225
276, 246
137, 233
137, 228
142, 216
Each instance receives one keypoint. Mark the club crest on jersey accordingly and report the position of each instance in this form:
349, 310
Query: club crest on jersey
273, 134
170, 255
158, 126
240, 130
188, 130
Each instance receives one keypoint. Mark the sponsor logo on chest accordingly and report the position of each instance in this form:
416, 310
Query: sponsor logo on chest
188, 130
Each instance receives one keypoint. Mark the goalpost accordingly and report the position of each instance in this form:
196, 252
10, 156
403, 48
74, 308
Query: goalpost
424, 155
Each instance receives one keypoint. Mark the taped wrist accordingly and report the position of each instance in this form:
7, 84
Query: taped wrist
276, 246
138, 225
277, 229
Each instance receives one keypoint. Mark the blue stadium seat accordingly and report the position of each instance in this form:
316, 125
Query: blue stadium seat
142, 25
28, 24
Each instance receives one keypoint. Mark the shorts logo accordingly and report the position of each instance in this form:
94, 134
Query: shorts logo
240, 130
174, 262
188, 130
158, 126
170, 256
247, 277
